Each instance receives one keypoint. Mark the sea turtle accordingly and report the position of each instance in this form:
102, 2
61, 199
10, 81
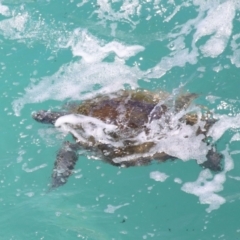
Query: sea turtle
125, 128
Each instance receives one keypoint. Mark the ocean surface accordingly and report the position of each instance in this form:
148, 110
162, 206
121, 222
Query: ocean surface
55, 51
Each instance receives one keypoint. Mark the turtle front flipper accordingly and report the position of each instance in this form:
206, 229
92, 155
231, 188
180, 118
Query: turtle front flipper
64, 164
48, 117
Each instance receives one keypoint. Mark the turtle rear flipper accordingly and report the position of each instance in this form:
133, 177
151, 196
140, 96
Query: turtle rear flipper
213, 161
64, 164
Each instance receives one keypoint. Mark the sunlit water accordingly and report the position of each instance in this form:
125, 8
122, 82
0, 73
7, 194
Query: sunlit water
54, 51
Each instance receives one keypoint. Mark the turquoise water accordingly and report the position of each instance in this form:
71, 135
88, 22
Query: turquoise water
53, 51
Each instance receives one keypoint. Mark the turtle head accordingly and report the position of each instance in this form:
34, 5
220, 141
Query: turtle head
48, 117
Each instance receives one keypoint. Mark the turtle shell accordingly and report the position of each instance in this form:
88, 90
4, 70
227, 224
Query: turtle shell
130, 111
130, 108
130, 128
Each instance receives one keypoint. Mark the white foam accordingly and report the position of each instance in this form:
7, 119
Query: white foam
207, 185
212, 98
13, 28
213, 19
167, 19
234, 177
235, 152
4, 10
29, 194
178, 59
76, 80
175, 139
218, 68
112, 209
222, 125
82, 3
235, 137
184, 148
158, 176
82, 119
218, 24
26, 169
89, 127
178, 180
92, 50
128, 9
235, 58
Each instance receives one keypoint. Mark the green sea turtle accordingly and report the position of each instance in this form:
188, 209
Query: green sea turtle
129, 128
